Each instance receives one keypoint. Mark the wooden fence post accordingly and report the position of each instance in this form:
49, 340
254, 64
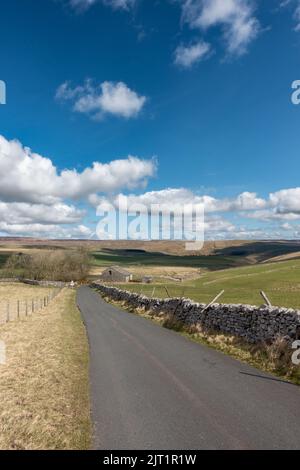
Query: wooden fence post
167, 292
213, 301
265, 298
18, 309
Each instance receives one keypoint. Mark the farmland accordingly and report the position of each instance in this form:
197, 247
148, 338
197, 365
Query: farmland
281, 282
241, 268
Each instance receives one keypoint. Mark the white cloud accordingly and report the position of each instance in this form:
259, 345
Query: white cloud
35, 198
41, 220
25, 213
115, 4
297, 18
33, 193
186, 56
296, 14
236, 18
44, 230
270, 213
176, 197
26, 176
286, 200
107, 98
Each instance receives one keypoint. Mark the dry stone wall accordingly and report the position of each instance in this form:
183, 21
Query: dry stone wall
254, 324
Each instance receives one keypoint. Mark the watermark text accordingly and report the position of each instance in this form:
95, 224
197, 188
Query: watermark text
2, 92
125, 221
296, 354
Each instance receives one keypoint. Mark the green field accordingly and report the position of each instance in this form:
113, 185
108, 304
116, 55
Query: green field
140, 257
280, 281
3, 259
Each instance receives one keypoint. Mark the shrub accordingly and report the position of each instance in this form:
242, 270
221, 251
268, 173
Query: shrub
49, 265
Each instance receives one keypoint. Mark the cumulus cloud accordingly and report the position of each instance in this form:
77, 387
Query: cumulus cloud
173, 198
286, 200
236, 18
44, 230
186, 56
271, 212
35, 198
24, 213
26, 176
108, 98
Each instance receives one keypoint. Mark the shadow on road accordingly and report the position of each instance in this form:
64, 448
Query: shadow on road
269, 378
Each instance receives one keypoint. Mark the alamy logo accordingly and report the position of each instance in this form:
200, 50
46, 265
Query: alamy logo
296, 354
2, 92
125, 220
295, 98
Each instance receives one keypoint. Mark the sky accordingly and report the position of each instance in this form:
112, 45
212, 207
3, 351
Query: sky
164, 101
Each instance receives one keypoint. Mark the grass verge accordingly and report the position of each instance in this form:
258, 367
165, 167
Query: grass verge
275, 358
44, 387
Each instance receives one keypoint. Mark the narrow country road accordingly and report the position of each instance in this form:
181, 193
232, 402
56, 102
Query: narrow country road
152, 388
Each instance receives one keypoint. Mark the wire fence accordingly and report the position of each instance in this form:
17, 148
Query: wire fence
18, 309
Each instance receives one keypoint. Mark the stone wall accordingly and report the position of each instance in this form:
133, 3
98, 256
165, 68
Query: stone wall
254, 324
44, 283
34, 282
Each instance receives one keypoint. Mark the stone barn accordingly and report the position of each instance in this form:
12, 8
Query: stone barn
116, 274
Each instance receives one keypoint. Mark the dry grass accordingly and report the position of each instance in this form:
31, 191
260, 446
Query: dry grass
44, 391
159, 273
17, 292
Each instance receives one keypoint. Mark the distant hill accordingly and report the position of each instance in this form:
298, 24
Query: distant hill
251, 252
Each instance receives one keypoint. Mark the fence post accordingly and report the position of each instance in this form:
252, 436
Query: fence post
213, 301
32, 306
167, 292
265, 298
26, 308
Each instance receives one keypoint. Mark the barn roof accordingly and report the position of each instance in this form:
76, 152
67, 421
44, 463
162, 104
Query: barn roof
119, 270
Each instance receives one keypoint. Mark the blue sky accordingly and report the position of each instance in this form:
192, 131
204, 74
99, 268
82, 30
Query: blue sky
167, 101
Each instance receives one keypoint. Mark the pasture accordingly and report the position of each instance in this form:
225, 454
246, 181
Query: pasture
281, 282
131, 257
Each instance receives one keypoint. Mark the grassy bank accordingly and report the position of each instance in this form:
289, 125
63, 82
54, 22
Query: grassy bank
44, 388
